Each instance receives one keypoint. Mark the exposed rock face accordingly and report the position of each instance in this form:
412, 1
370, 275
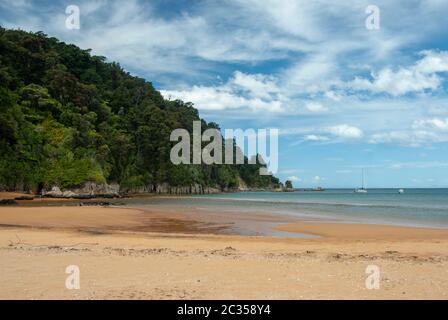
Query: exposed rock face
104, 190
55, 192
165, 188
93, 190
210, 190
242, 186
87, 190
138, 190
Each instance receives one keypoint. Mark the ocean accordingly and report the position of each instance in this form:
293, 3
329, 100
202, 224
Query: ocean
415, 207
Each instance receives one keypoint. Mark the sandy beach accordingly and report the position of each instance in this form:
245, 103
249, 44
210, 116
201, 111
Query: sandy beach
163, 253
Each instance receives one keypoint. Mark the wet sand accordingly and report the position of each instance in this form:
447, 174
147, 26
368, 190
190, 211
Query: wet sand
162, 253
364, 231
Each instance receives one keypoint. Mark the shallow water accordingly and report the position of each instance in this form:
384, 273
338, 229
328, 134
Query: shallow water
416, 207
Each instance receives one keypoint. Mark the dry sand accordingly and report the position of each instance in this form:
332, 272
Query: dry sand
164, 254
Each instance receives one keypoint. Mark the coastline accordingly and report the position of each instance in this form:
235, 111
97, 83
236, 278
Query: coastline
166, 254
170, 219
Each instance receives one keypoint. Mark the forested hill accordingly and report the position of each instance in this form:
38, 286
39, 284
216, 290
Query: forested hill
68, 117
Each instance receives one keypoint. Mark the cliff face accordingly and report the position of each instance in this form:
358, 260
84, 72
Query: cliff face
165, 188
104, 190
113, 190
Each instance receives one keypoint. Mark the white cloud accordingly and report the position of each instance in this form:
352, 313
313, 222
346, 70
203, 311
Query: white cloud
218, 98
313, 137
22, 4
438, 124
294, 179
257, 85
333, 95
316, 73
315, 107
422, 132
256, 92
433, 62
409, 138
338, 133
423, 75
345, 131
288, 16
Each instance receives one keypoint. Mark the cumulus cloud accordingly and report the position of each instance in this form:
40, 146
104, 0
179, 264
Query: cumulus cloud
433, 62
423, 75
294, 179
256, 92
257, 85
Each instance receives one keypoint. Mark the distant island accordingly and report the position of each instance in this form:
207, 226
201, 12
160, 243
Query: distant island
72, 125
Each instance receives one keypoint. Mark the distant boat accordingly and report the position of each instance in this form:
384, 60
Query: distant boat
400, 191
362, 189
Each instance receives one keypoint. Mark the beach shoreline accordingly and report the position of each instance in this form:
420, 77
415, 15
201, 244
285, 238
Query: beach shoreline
173, 219
162, 253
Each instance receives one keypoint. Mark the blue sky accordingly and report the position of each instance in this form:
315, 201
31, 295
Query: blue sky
343, 97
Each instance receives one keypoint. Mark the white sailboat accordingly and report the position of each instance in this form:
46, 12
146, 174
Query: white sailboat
362, 189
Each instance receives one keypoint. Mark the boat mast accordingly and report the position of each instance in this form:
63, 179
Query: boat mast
362, 178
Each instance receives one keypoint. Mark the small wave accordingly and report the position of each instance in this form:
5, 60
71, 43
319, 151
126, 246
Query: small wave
328, 203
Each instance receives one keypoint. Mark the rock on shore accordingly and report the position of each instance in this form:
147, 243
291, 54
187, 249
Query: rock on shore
90, 190
86, 191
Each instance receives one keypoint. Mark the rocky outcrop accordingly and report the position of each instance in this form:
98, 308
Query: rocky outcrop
137, 190
86, 191
165, 188
211, 190
242, 186
93, 190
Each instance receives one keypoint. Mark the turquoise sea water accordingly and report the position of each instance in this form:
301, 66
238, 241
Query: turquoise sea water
416, 207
